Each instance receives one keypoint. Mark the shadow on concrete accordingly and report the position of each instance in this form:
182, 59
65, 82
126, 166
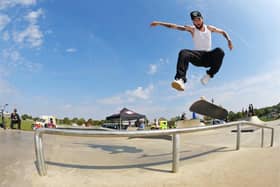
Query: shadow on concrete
227, 150
160, 155
247, 129
163, 137
113, 149
141, 165
36, 166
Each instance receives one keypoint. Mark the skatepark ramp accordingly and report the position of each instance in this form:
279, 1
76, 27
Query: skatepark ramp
189, 123
39, 149
255, 119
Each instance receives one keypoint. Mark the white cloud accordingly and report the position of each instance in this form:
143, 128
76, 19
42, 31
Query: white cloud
4, 21
33, 16
152, 69
129, 96
140, 92
26, 2
163, 61
31, 35
11, 3
71, 50
13, 57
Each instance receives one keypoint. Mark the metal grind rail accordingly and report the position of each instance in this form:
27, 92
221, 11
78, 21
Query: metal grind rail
39, 148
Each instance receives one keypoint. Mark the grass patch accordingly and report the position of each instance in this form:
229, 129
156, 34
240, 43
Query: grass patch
25, 124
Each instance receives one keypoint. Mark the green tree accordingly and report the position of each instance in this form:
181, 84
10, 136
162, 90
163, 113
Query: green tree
75, 120
26, 116
232, 116
36, 118
59, 121
66, 121
89, 122
81, 121
98, 122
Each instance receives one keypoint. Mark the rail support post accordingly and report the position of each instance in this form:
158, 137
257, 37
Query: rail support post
238, 133
40, 159
262, 137
176, 152
272, 137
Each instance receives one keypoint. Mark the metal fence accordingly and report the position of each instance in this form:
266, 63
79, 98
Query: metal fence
39, 149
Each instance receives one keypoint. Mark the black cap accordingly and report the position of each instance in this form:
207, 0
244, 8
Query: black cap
195, 14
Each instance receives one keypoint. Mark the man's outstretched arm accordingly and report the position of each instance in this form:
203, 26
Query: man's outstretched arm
224, 33
173, 26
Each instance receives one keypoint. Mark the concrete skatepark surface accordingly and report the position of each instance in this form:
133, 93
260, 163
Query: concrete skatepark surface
207, 158
255, 119
189, 123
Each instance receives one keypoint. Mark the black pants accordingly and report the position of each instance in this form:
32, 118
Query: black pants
16, 122
212, 59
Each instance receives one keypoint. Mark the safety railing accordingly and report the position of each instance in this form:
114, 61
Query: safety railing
39, 149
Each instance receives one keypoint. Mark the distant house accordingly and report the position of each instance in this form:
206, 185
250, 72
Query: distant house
47, 119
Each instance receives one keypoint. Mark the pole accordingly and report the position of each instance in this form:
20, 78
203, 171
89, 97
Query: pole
120, 123
238, 137
262, 138
39, 152
272, 137
176, 152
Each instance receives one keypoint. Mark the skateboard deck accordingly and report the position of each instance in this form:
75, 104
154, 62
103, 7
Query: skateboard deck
207, 108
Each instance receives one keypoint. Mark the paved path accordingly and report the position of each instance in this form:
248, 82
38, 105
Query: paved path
207, 159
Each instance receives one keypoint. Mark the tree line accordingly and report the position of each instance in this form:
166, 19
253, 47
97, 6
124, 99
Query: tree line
266, 113
69, 121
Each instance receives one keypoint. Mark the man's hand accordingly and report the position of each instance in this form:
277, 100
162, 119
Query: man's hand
230, 46
155, 23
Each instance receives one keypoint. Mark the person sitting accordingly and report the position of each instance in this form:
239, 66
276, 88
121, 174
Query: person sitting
51, 124
15, 119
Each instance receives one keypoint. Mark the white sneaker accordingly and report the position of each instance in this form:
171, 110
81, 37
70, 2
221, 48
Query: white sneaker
205, 79
178, 85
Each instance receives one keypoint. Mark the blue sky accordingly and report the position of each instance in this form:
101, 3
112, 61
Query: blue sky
91, 58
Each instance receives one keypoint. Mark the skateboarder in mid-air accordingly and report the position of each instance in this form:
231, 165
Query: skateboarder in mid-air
202, 55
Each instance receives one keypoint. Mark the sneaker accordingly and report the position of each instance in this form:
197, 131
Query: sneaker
204, 80
178, 85
203, 98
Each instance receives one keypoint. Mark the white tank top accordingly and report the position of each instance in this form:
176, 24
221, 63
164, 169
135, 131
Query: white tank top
202, 40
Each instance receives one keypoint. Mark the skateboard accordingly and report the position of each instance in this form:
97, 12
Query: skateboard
207, 108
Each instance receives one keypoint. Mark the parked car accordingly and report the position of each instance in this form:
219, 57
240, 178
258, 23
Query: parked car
217, 122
